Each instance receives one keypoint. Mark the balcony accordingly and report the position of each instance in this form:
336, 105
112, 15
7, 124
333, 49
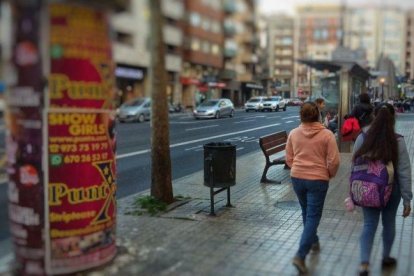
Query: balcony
229, 6
173, 36
229, 53
245, 77
247, 37
173, 9
227, 74
229, 29
173, 63
248, 58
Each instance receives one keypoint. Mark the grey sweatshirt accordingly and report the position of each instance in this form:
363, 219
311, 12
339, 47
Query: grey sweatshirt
403, 167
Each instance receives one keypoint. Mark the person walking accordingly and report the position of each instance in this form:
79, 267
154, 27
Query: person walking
370, 144
313, 156
363, 111
321, 106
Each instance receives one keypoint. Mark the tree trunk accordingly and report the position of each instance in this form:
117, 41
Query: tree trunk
161, 186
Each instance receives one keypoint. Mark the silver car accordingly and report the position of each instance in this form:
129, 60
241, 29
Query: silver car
136, 110
274, 103
254, 104
214, 108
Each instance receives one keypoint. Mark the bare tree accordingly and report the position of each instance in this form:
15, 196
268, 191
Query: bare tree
161, 186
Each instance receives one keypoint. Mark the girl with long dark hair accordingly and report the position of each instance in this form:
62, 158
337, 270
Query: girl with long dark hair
380, 142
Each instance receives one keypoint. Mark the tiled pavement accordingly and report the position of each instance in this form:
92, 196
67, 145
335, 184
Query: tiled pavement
259, 236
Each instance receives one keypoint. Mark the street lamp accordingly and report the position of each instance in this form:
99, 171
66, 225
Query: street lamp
382, 81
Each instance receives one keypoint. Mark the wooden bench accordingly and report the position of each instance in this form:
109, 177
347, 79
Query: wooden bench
270, 145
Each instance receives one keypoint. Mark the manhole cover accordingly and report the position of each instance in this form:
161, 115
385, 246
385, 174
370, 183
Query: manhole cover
288, 205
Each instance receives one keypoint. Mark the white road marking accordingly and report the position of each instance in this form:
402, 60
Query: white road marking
125, 155
194, 148
288, 122
195, 128
273, 117
240, 122
290, 117
239, 148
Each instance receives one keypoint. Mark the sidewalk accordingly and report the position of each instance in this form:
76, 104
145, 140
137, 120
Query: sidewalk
259, 236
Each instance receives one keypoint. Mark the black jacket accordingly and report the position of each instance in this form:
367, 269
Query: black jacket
364, 113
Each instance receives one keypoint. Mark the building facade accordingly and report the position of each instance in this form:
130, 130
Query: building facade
317, 34
379, 31
281, 54
409, 46
131, 48
240, 51
202, 52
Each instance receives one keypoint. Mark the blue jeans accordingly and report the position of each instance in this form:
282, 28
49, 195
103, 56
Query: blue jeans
371, 219
311, 195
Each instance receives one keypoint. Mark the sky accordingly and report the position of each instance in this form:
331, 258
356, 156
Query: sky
288, 6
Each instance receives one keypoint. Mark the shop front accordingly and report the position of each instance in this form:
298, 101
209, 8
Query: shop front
130, 82
251, 89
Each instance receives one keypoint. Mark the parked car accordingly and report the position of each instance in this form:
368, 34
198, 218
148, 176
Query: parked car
294, 102
214, 108
274, 103
254, 104
136, 110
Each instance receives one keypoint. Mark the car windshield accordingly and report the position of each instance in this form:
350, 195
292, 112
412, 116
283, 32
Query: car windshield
268, 100
276, 98
254, 100
136, 102
209, 103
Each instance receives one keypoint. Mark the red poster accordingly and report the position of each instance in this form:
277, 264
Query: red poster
81, 58
81, 160
81, 190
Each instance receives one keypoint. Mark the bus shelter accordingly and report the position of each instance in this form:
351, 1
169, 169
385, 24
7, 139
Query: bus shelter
339, 83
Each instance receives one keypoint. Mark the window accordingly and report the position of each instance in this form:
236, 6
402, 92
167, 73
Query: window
206, 24
195, 19
124, 38
215, 49
287, 41
215, 27
205, 47
195, 44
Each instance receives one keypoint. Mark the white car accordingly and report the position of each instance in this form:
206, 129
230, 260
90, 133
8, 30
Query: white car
274, 103
254, 104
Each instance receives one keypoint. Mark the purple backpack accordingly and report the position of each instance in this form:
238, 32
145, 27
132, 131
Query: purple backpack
371, 183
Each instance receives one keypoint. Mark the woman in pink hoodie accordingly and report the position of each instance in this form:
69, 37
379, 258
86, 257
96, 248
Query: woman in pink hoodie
313, 156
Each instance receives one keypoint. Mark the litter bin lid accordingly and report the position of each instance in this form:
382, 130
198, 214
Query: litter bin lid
219, 145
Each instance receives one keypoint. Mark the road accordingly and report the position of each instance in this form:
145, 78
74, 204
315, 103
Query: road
187, 137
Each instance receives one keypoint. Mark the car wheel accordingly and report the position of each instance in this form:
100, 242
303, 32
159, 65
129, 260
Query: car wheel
141, 118
232, 114
247, 110
217, 115
284, 108
277, 108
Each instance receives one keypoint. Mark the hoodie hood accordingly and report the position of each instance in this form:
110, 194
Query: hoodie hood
311, 129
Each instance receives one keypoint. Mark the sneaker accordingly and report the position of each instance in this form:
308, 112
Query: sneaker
388, 262
364, 269
316, 247
300, 265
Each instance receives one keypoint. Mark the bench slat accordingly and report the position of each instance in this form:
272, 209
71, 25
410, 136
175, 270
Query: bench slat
274, 143
272, 137
276, 149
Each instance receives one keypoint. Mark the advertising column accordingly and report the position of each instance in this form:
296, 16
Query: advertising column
61, 140
81, 142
